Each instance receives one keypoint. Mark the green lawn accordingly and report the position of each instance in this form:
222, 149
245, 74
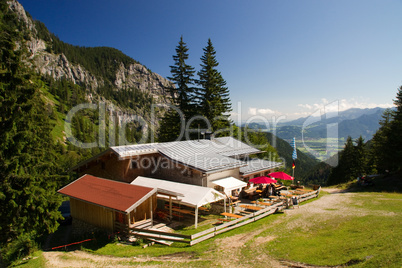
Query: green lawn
370, 238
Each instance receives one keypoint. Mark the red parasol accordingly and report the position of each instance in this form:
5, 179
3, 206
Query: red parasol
262, 180
281, 175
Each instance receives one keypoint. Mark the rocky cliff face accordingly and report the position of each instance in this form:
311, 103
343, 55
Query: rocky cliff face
133, 76
137, 76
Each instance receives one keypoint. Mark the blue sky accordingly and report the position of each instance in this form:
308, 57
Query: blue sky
279, 58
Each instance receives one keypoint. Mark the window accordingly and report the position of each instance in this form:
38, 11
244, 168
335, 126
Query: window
133, 164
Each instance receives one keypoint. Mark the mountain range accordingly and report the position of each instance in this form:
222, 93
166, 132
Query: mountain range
353, 122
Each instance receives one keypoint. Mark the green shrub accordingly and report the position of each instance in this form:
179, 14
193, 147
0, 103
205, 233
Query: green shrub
19, 248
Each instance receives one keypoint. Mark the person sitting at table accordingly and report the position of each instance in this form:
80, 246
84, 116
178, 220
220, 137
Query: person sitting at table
295, 201
271, 189
236, 193
265, 191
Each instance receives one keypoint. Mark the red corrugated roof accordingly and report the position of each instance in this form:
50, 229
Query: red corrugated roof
107, 193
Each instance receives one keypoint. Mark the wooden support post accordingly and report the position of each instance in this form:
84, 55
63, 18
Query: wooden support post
170, 206
151, 214
196, 217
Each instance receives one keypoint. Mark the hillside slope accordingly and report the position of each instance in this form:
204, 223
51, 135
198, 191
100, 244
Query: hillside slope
304, 162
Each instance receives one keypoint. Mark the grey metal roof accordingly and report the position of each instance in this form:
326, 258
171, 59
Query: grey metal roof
135, 149
255, 165
205, 155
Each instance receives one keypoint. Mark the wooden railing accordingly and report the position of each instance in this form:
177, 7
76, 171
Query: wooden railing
204, 235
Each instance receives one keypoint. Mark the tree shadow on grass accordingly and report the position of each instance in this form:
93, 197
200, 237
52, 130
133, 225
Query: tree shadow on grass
64, 240
384, 183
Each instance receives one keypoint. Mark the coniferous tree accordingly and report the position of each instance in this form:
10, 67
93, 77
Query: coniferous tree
381, 153
182, 76
360, 157
213, 95
345, 171
28, 163
182, 94
386, 151
395, 141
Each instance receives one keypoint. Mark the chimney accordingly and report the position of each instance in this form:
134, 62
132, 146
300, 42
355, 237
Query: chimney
209, 135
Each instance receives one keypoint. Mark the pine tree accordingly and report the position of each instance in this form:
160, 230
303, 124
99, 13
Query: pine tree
386, 151
345, 171
213, 95
173, 121
360, 158
182, 76
395, 141
381, 155
28, 163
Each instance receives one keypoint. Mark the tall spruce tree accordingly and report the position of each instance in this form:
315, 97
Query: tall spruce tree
345, 171
395, 141
28, 198
183, 77
183, 96
381, 155
361, 158
386, 152
213, 95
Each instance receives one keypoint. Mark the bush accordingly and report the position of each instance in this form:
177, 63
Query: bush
17, 249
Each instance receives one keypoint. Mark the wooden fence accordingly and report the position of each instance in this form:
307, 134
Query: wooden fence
204, 235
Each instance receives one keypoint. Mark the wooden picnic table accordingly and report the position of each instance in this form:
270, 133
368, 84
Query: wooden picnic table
251, 207
261, 203
231, 215
184, 211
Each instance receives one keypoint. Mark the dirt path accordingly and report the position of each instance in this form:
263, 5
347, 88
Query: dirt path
229, 249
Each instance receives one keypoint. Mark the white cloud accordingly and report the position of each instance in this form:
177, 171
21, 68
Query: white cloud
252, 111
255, 111
265, 111
306, 106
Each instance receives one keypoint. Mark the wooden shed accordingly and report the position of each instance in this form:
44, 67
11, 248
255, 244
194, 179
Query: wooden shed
103, 203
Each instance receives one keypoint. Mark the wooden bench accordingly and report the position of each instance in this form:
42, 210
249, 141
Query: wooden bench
236, 202
184, 211
177, 215
255, 208
261, 203
231, 215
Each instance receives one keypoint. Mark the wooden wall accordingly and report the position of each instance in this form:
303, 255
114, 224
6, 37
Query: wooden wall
143, 212
107, 166
171, 171
104, 218
92, 214
110, 167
